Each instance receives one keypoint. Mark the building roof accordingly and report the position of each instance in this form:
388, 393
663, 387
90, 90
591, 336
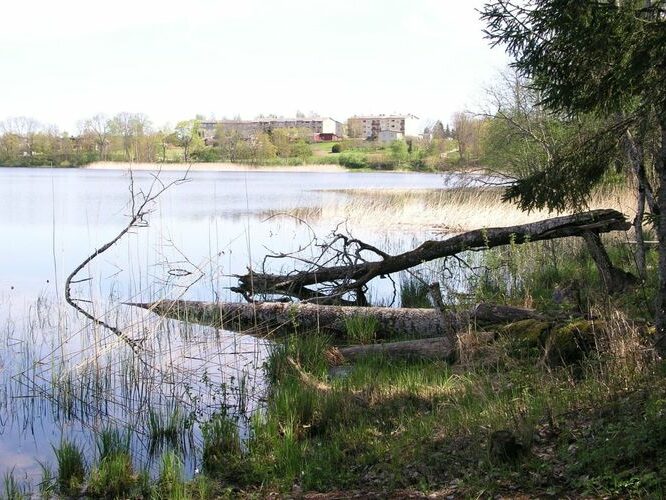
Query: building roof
265, 120
378, 117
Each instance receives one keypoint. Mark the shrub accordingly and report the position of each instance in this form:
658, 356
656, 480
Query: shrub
114, 477
222, 454
353, 160
337, 148
205, 155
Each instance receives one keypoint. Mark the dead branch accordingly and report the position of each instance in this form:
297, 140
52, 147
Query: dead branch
355, 263
140, 203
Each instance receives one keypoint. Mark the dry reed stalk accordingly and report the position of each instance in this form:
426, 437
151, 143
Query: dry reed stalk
445, 211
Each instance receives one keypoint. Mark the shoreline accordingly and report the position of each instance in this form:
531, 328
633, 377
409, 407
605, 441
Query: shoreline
239, 167
211, 167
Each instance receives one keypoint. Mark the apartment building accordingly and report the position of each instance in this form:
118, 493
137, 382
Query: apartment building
322, 128
370, 127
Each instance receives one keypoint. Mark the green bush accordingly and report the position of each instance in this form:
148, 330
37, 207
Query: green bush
206, 154
353, 160
222, 454
336, 148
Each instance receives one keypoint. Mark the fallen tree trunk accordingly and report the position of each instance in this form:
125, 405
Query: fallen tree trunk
438, 348
352, 278
278, 317
615, 280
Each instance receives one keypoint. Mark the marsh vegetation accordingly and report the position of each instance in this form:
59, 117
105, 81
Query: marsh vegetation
203, 412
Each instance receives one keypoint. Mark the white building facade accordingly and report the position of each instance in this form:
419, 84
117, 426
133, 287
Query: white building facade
248, 128
370, 127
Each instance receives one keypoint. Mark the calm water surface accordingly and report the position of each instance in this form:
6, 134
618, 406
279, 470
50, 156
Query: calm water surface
63, 378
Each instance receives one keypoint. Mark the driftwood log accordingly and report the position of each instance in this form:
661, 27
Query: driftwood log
323, 283
267, 318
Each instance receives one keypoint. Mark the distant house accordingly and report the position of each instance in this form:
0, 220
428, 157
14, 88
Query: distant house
388, 136
322, 128
369, 127
326, 137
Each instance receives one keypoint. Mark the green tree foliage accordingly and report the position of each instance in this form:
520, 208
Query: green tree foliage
291, 143
399, 152
261, 148
301, 149
522, 138
606, 60
98, 129
187, 136
353, 159
229, 142
25, 142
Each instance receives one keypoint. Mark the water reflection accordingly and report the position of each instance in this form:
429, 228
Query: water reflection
62, 377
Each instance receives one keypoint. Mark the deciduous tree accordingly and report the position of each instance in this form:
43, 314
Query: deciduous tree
188, 137
99, 128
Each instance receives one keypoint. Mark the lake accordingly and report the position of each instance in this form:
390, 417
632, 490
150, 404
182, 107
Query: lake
62, 377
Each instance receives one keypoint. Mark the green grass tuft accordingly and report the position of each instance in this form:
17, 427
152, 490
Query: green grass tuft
11, 488
167, 430
361, 329
71, 468
171, 483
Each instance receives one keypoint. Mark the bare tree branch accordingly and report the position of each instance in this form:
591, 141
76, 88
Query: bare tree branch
140, 203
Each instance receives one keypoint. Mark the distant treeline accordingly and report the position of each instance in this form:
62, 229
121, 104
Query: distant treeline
132, 137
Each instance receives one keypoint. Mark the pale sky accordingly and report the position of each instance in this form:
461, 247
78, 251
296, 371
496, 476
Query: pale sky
64, 61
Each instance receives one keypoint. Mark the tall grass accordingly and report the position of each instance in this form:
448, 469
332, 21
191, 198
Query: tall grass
222, 452
449, 210
361, 329
112, 441
414, 292
115, 477
71, 471
11, 488
167, 429
171, 481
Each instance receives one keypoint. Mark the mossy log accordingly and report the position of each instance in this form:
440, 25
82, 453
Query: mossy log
266, 318
556, 342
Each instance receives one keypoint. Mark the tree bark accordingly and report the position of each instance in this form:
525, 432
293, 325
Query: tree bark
349, 278
438, 348
268, 318
640, 236
615, 280
645, 193
660, 168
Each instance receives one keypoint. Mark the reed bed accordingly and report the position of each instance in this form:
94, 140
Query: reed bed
66, 377
443, 210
